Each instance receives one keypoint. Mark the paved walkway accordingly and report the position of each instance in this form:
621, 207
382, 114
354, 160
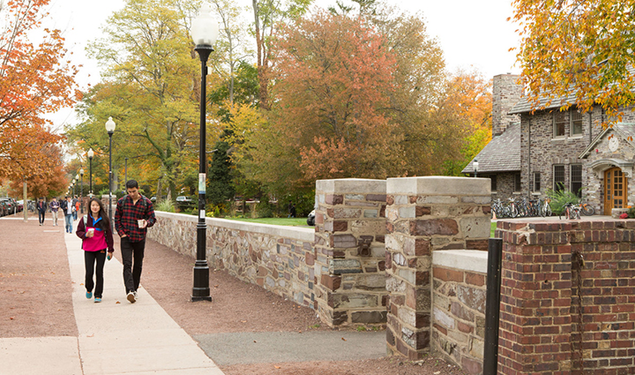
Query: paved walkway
115, 336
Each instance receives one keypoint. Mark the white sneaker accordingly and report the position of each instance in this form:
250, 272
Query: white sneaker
131, 297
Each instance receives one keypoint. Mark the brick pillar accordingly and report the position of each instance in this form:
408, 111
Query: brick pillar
535, 316
350, 226
556, 276
425, 214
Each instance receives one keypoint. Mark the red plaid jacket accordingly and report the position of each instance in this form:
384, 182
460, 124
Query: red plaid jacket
127, 215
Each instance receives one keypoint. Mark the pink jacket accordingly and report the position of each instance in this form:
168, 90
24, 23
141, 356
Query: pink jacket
100, 241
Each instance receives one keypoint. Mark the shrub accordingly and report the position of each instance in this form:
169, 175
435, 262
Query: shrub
165, 205
560, 198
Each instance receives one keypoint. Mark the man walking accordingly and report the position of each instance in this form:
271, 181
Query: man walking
41, 210
55, 205
133, 216
67, 207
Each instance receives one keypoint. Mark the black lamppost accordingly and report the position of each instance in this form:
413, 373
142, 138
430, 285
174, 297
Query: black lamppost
204, 33
110, 128
125, 174
81, 187
475, 164
90, 153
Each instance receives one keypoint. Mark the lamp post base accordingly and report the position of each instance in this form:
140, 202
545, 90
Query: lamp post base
201, 292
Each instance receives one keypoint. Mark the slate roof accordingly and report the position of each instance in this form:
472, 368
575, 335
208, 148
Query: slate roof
524, 106
502, 153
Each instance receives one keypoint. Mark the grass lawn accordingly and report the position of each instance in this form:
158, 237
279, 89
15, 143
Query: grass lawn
492, 229
294, 222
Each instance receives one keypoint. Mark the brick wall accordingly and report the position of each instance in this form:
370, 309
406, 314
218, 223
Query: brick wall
567, 297
350, 226
459, 289
424, 215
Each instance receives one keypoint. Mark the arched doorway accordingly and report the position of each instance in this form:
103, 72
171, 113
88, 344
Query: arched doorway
615, 190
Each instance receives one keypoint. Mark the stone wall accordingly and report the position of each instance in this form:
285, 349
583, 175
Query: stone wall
458, 294
567, 297
279, 259
350, 225
425, 215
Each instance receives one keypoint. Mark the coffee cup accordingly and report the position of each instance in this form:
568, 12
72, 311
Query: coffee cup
141, 223
91, 231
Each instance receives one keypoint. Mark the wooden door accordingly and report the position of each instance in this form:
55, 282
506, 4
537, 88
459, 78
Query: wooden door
615, 190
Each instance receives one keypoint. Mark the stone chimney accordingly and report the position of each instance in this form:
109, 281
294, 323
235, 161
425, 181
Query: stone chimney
506, 92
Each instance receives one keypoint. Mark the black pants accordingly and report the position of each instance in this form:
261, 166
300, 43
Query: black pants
132, 274
90, 257
40, 216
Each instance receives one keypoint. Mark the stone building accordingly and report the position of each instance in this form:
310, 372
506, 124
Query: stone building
557, 148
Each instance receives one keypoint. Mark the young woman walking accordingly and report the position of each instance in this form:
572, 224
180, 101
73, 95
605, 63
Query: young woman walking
95, 231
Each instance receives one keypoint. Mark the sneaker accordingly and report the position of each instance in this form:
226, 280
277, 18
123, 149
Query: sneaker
131, 297
89, 295
97, 299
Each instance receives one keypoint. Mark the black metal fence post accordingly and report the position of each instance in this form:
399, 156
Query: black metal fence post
492, 306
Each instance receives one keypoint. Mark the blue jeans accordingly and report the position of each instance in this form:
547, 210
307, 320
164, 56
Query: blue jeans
69, 223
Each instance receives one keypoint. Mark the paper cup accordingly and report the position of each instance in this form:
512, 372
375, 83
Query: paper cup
91, 231
140, 223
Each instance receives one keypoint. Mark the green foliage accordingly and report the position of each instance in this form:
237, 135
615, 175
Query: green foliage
165, 205
219, 179
560, 198
631, 212
265, 208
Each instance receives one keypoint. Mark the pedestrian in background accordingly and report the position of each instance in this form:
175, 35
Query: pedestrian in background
133, 216
55, 206
41, 210
76, 206
96, 233
68, 208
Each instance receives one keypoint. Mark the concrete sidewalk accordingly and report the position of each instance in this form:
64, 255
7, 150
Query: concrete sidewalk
115, 336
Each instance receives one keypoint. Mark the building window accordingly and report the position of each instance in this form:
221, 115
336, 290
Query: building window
576, 179
492, 180
558, 177
537, 181
516, 182
576, 122
559, 122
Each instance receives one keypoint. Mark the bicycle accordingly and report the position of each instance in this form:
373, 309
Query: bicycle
586, 209
545, 207
571, 212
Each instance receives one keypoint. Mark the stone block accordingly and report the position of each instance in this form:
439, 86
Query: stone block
347, 213
442, 318
341, 241
341, 266
477, 348
418, 299
353, 301
371, 282
369, 226
472, 297
475, 227
460, 311
371, 213
369, 317
444, 227
395, 285
333, 199
331, 282
407, 212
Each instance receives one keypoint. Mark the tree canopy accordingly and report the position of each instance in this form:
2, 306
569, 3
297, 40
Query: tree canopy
584, 48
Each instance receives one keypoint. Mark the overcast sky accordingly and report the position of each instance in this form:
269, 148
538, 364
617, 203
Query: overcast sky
471, 34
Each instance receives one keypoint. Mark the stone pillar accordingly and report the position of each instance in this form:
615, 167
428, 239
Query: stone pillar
425, 214
350, 224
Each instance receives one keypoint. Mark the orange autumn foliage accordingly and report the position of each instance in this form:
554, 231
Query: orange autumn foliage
34, 80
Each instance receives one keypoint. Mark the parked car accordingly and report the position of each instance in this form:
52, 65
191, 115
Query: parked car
9, 205
20, 205
4, 208
183, 199
310, 220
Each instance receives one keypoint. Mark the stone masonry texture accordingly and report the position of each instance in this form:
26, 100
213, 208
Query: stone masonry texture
506, 91
567, 297
350, 281
427, 214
